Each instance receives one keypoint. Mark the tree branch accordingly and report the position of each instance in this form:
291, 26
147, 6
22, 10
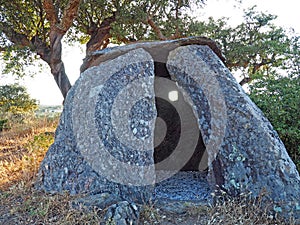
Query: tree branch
51, 14
15, 37
41, 49
100, 35
70, 14
245, 80
156, 29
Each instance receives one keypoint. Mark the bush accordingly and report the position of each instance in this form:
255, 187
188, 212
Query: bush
279, 99
3, 124
15, 105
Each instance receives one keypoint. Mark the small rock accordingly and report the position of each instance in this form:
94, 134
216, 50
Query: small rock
99, 201
122, 213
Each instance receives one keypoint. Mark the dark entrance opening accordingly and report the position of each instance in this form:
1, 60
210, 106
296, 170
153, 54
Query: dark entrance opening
179, 146
169, 114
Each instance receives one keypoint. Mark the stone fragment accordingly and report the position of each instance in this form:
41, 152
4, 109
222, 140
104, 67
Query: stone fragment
99, 201
122, 213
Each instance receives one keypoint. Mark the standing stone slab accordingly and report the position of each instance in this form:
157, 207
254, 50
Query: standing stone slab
245, 153
99, 146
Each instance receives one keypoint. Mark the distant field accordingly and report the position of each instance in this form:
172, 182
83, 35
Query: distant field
51, 111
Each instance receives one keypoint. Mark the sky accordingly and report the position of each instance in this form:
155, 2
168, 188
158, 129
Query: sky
43, 87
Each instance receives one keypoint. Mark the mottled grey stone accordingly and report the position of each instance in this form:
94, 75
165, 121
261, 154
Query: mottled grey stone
99, 201
244, 152
122, 213
159, 50
179, 206
105, 139
184, 186
93, 152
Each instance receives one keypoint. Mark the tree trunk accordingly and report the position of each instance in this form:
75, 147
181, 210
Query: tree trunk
57, 65
62, 79
52, 55
100, 35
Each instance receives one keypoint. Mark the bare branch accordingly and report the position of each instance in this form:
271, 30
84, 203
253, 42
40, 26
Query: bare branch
245, 80
100, 35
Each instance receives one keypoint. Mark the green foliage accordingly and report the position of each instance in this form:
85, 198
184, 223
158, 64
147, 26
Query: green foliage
20, 22
3, 124
254, 46
16, 60
25, 28
131, 22
292, 64
15, 104
279, 99
261, 51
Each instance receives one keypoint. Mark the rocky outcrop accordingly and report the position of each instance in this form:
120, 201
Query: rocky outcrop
109, 129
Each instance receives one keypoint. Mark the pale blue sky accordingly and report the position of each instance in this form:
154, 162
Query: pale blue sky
43, 87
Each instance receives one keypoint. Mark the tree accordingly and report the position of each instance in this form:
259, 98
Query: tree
15, 103
31, 28
292, 64
256, 46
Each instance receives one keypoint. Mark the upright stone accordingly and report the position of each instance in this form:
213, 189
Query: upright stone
244, 152
105, 136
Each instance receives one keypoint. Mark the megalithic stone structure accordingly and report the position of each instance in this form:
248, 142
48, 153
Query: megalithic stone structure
141, 113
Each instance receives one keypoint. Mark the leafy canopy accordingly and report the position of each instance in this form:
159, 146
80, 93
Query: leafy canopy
26, 26
15, 105
255, 46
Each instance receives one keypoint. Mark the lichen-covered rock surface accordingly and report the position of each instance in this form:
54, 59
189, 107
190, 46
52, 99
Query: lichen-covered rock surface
244, 151
104, 144
94, 151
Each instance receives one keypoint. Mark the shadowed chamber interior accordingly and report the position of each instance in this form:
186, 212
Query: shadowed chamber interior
178, 143
168, 134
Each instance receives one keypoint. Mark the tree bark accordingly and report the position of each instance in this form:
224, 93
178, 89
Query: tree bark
53, 54
245, 80
156, 29
56, 64
100, 35
62, 79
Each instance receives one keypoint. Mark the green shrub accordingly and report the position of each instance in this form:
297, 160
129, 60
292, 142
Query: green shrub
3, 124
16, 105
279, 99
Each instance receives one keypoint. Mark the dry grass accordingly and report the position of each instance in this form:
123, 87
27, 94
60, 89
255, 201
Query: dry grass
22, 204
23, 148
244, 210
